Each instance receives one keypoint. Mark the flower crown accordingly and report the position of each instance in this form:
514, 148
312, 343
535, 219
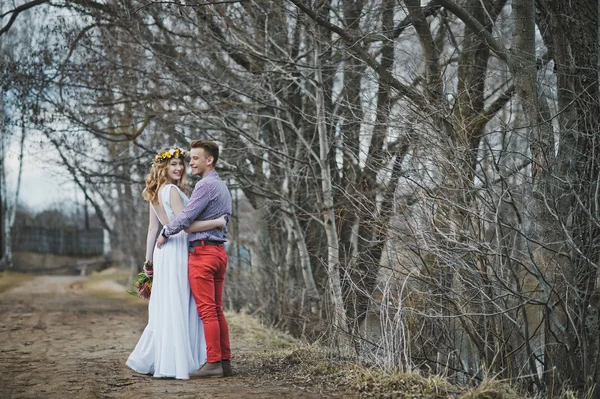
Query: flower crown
170, 153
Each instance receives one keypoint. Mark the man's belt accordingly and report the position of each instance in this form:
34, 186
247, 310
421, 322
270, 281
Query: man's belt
202, 243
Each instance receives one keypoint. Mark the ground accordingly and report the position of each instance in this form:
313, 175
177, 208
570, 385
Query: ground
69, 337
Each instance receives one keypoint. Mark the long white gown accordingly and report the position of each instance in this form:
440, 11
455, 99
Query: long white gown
172, 344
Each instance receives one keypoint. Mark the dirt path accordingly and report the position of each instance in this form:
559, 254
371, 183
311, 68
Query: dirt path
69, 337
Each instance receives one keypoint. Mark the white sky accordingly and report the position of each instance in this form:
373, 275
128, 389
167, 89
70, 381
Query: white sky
45, 184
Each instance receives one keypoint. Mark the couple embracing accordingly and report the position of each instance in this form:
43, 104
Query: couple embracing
186, 326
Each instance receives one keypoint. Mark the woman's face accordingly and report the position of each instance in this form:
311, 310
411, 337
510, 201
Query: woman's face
175, 169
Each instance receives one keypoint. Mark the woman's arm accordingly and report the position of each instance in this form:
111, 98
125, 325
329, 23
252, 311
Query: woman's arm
198, 225
153, 226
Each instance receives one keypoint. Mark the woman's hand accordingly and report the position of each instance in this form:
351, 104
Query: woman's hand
148, 268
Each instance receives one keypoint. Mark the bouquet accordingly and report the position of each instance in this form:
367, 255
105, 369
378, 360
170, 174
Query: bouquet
143, 282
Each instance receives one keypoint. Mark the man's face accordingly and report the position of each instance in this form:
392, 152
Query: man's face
199, 161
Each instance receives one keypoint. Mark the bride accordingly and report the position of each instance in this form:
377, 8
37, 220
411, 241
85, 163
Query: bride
172, 344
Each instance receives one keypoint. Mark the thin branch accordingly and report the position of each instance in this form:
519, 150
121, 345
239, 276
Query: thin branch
214, 3
73, 172
15, 13
429, 10
496, 106
353, 44
469, 20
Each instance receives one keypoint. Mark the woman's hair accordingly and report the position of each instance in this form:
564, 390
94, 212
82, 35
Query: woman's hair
158, 174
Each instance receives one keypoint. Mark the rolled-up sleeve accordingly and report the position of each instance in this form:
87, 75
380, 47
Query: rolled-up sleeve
198, 201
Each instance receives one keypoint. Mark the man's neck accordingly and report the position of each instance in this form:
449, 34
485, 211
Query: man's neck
207, 172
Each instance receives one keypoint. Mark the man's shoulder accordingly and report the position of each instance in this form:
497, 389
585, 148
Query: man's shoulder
211, 181
208, 181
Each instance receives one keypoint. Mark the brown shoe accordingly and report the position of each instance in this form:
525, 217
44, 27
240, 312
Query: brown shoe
226, 365
209, 370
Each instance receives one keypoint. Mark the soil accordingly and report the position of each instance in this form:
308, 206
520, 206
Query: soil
69, 337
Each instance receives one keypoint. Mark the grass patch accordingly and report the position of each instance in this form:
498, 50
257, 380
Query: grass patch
312, 365
493, 389
111, 284
253, 333
409, 385
10, 279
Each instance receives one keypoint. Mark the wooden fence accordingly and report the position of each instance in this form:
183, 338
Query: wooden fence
83, 243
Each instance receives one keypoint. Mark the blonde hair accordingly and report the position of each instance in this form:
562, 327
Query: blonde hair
158, 178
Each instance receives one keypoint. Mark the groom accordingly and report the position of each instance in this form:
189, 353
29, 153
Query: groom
207, 261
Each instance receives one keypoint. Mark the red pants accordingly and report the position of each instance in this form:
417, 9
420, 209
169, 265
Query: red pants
206, 270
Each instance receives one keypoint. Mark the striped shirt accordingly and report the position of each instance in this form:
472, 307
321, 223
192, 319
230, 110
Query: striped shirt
209, 200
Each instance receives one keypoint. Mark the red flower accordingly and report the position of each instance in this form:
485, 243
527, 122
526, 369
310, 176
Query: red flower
143, 282
144, 291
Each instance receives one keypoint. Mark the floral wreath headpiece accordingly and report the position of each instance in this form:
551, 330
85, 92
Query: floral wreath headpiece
170, 153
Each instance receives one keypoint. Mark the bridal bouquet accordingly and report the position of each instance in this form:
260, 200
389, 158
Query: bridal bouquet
143, 282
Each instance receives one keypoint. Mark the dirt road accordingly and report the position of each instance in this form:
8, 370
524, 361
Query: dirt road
69, 337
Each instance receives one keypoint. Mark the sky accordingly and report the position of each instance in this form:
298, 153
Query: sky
45, 184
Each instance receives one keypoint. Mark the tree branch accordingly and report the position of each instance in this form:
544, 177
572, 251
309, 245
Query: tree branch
71, 169
496, 106
178, 4
469, 20
428, 11
15, 13
354, 46
430, 51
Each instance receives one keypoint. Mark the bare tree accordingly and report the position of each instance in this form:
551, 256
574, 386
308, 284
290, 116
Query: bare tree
411, 188
15, 114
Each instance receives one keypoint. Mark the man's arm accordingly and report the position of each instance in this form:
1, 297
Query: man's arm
198, 201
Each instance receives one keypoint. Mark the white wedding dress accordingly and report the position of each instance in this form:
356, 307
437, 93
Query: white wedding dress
172, 344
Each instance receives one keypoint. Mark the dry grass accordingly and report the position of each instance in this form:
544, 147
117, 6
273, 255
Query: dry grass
310, 365
111, 284
33, 260
493, 389
250, 330
9, 279
374, 383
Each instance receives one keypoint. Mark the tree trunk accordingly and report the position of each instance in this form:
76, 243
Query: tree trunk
3, 134
333, 260
11, 210
10, 206
347, 197
565, 188
372, 223
299, 241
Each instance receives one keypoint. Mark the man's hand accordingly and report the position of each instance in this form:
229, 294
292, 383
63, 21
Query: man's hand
161, 240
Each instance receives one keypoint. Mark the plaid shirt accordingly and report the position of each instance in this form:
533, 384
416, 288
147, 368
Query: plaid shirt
209, 200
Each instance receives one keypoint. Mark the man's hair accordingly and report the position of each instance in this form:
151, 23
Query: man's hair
210, 148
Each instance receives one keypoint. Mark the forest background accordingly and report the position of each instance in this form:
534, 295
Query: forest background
417, 182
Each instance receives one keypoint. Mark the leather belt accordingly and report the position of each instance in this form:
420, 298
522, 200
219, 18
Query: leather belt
202, 243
